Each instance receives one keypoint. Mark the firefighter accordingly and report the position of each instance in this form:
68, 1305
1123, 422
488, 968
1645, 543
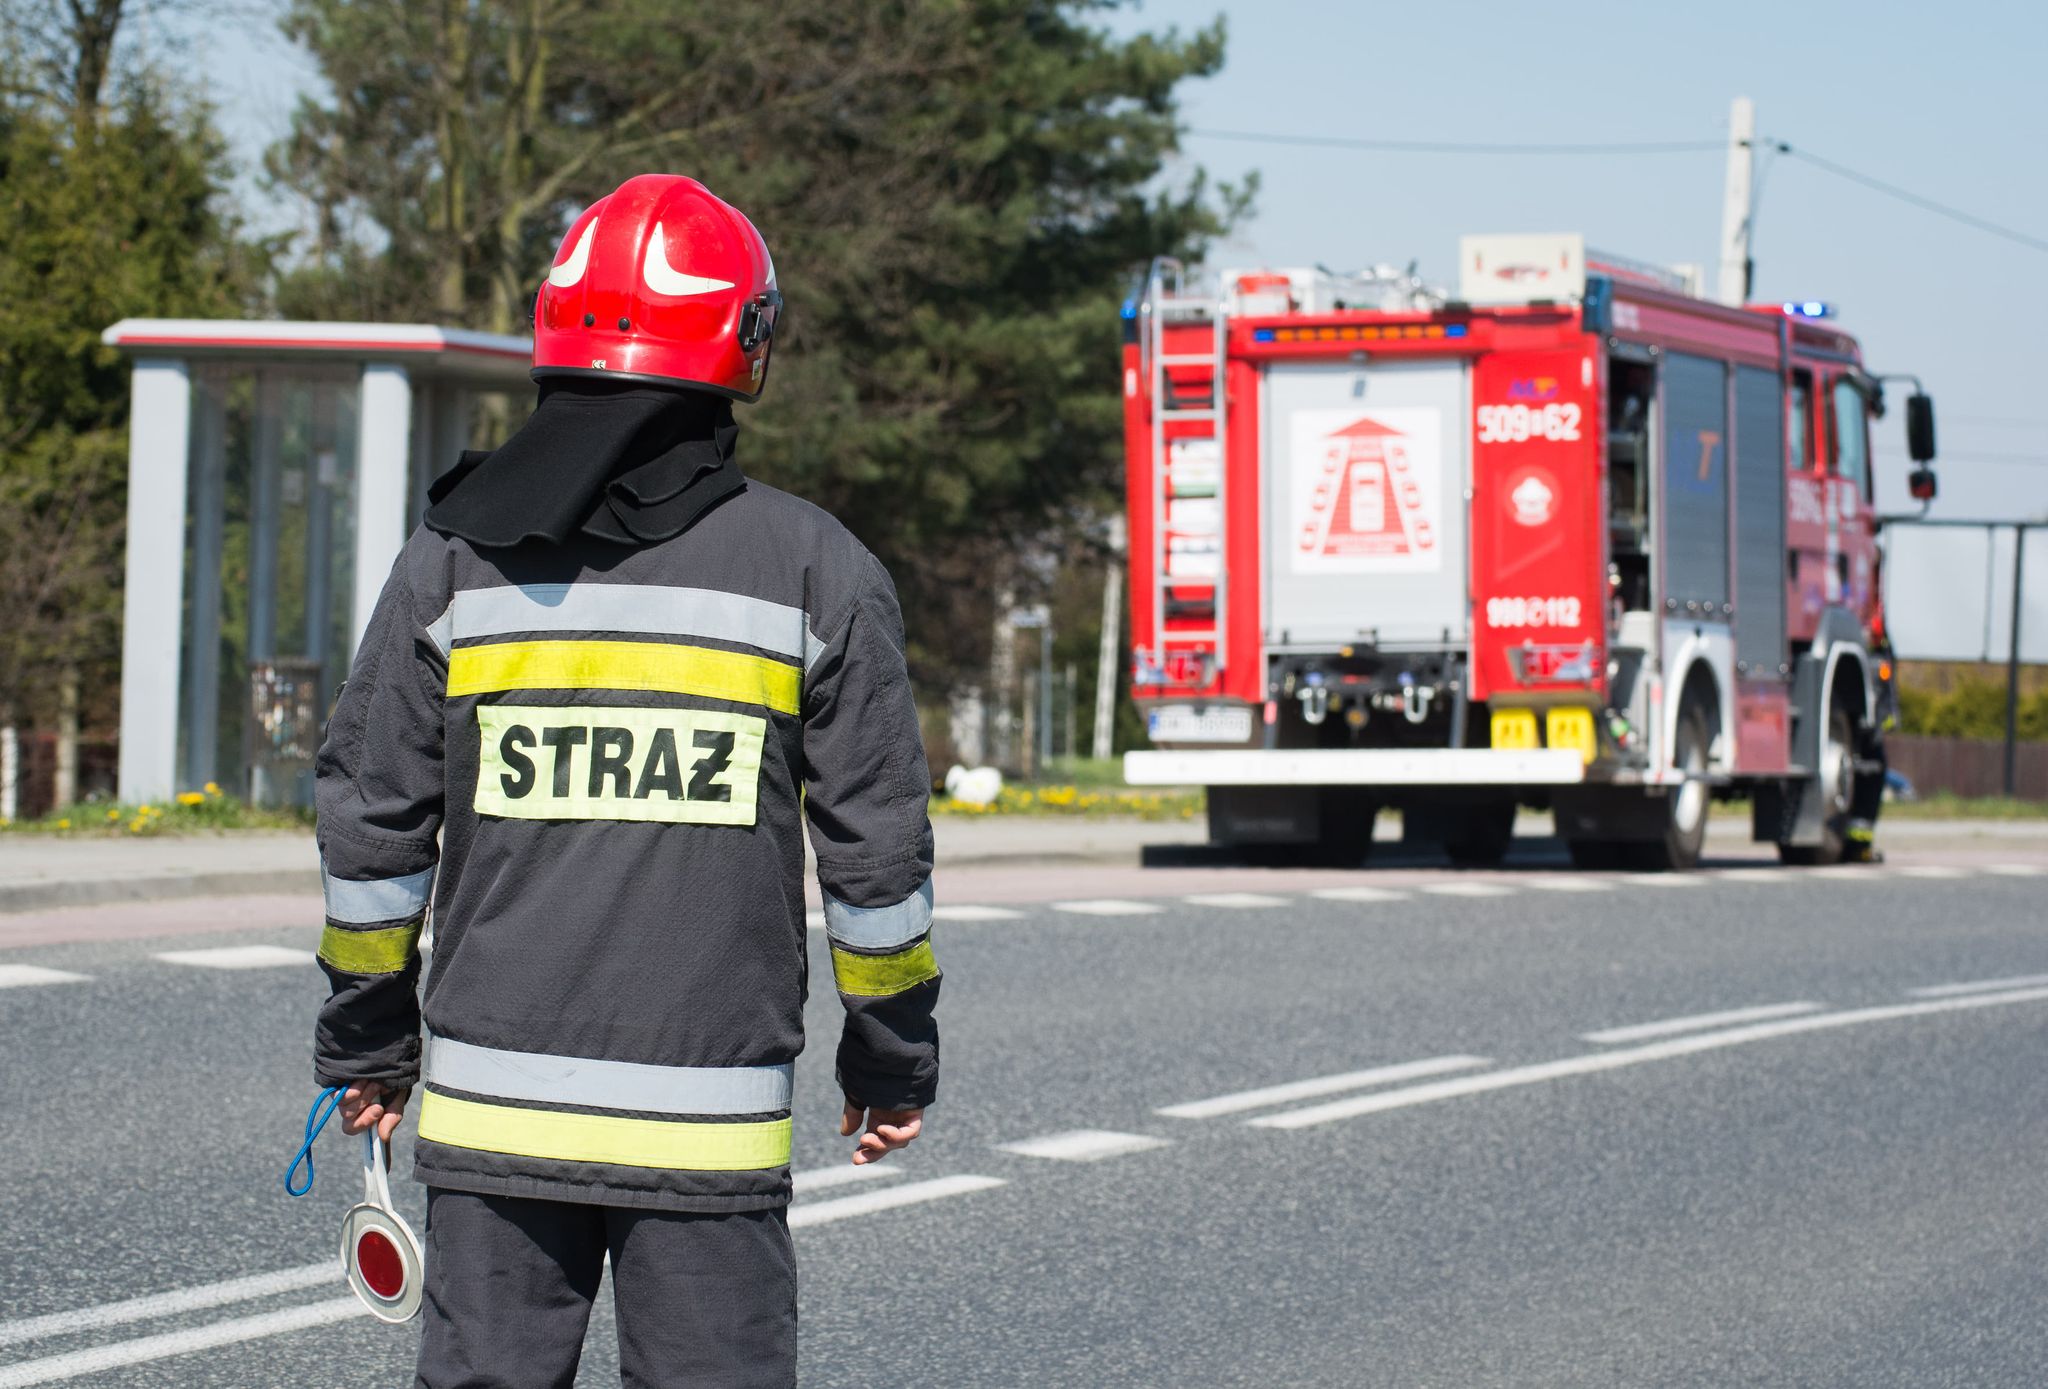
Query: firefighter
606, 684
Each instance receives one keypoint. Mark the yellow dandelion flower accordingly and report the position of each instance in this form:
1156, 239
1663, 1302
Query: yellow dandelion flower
113, 815
64, 824
212, 788
191, 798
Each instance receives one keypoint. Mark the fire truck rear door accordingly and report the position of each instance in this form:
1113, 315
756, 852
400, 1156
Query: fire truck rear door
1366, 468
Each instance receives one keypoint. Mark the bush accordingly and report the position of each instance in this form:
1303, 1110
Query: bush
1973, 709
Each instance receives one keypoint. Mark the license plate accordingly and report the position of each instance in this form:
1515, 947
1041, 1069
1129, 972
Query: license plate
1184, 723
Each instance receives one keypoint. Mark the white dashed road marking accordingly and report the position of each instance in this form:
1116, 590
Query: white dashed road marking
1980, 986
238, 957
1699, 1022
1666, 1050
1928, 870
971, 913
179, 1300
871, 1202
1318, 1087
26, 976
1753, 875
100, 1359
1668, 879
1108, 906
2017, 870
1359, 894
1467, 889
1083, 1145
1234, 899
1564, 882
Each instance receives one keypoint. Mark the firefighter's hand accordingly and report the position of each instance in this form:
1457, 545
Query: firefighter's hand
366, 1104
887, 1130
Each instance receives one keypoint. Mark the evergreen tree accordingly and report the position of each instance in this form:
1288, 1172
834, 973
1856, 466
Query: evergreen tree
108, 209
956, 192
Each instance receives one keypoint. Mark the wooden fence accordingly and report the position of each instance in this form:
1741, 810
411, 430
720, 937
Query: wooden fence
1967, 766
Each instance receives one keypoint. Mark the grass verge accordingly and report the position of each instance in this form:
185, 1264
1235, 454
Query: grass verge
1078, 800
205, 811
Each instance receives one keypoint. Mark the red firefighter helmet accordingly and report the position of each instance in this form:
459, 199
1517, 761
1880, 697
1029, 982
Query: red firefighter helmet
660, 281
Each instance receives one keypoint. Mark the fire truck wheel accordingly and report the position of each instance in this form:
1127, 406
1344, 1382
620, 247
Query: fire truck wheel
1685, 809
1594, 855
1345, 840
1483, 837
1838, 787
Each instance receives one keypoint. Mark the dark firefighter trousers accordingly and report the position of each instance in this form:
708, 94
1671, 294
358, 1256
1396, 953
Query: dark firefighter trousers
702, 1300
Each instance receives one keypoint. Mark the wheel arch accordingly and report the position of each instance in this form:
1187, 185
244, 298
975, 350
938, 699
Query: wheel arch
1703, 663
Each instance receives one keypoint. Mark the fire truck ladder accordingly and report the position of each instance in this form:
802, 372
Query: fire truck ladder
1166, 302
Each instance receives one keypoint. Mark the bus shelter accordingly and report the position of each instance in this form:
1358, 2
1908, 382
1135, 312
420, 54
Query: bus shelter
274, 471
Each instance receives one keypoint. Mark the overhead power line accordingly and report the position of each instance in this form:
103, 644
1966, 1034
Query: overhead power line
1456, 146
1907, 195
1650, 147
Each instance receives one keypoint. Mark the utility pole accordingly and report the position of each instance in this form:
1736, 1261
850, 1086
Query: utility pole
1038, 616
1734, 285
1045, 696
2012, 663
1073, 688
1112, 642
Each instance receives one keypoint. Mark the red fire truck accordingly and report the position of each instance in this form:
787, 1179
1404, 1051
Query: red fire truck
1575, 538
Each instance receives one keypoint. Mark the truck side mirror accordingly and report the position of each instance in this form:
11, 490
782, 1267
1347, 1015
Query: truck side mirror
1920, 432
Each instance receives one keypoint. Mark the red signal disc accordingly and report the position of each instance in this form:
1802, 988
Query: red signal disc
378, 1260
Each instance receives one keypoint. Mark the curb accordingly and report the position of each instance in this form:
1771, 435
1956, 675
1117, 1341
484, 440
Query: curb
97, 892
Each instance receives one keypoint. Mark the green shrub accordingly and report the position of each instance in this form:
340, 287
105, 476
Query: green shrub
1973, 709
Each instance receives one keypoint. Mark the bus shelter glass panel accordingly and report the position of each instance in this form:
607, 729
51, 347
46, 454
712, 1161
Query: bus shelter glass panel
269, 576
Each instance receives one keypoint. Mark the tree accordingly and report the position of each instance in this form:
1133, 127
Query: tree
105, 212
956, 191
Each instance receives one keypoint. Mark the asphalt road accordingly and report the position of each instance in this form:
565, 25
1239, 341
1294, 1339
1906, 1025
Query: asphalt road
1842, 1184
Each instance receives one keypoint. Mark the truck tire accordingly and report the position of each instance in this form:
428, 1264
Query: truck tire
1837, 776
1685, 809
1345, 840
1594, 855
1483, 836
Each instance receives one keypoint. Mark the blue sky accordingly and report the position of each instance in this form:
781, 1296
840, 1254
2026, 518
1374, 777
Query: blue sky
1945, 100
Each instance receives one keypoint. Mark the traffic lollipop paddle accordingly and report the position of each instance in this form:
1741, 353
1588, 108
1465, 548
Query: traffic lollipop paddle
379, 1251
380, 1255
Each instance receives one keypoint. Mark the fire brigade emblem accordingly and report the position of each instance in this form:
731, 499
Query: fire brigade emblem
1533, 500
1367, 490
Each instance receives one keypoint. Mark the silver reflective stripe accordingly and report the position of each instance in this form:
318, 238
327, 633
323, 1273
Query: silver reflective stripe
878, 928
649, 608
440, 630
526, 1075
383, 899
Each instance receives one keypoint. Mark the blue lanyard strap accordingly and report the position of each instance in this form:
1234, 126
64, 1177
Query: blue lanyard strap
324, 1105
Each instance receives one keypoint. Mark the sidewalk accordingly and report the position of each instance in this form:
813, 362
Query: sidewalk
38, 872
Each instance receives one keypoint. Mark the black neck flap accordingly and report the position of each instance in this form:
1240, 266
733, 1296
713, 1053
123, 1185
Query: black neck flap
628, 464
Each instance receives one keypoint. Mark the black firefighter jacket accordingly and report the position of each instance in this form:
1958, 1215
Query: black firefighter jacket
594, 762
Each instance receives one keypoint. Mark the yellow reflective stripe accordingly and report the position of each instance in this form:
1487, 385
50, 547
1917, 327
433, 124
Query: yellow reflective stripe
549, 1133
370, 952
876, 976
625, 665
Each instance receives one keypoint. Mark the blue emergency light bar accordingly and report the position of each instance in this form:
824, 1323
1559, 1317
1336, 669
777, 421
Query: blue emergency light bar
1809, 308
